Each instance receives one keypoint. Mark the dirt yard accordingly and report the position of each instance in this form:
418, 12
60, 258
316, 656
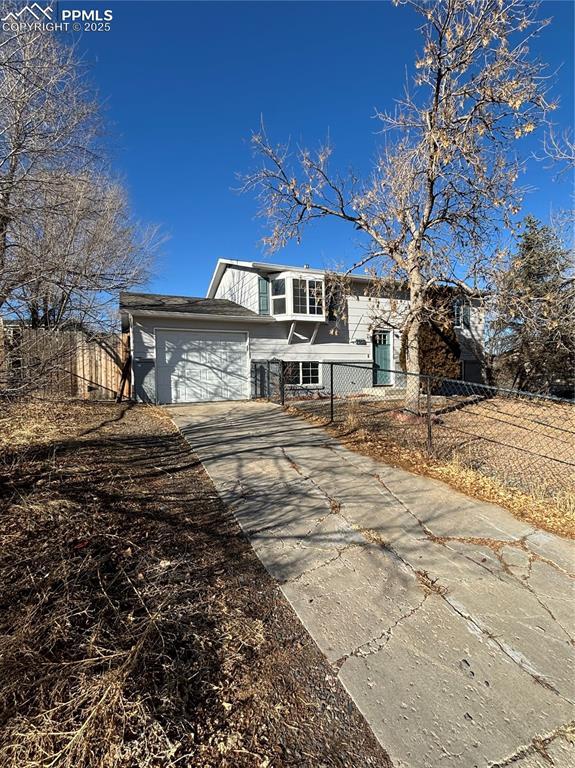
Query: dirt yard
138, 627
520, 454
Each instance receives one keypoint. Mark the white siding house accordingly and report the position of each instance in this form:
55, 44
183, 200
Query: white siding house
187, 349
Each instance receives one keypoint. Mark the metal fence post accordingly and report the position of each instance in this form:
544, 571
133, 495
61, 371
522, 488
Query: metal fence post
269, 382
282, 383
331, 392
429, 431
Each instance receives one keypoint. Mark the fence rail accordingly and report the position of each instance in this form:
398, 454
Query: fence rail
524, 439
62, 363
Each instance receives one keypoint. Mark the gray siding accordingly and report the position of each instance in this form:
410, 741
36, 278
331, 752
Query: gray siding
471, 339
240, 285
348, 378
145, 380
267, 340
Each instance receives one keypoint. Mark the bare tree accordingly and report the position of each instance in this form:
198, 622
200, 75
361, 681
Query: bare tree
78, 248
68, 242
560, 149
48, 123
447, 175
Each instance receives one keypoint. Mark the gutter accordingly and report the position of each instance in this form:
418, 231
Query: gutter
200, 316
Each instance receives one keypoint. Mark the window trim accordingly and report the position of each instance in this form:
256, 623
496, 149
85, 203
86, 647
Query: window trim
300, 383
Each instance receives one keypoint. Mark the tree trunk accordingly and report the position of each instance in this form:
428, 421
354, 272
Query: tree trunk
4, 221
416, 311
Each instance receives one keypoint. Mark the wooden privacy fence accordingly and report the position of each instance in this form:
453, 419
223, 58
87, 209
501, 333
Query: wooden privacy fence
62, 363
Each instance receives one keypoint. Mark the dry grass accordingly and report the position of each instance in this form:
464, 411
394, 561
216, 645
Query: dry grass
37, 423
137, 627
537, 489
555, 514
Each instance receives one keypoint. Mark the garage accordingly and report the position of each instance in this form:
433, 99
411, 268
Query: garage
201, 366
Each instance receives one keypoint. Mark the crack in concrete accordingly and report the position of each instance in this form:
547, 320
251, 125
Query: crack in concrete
522, 543
514, 656
538, 745
427, 584
547, 561
333, 553
334, 504
385, 635
496, 545
517, 658
337, 556
526, 585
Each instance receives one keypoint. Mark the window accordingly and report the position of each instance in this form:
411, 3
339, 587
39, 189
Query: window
461, 314
315, 297
300, 297
302, 374
263, 296
309, 373
307, 297
279, 296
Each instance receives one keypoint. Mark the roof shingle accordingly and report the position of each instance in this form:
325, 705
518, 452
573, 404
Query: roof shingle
155, 302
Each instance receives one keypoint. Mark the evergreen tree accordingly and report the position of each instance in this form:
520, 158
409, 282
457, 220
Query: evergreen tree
534, 328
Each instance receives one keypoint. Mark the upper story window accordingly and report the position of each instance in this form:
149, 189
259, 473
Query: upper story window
263, 296
307, 297
279, 296
292, 297
461, 314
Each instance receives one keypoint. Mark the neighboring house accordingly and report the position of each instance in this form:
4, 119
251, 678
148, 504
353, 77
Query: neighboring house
195, 350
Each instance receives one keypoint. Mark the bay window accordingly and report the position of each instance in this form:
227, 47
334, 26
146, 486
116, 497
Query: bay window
294, 297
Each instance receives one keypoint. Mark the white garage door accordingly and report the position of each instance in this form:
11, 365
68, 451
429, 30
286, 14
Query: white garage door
201, 366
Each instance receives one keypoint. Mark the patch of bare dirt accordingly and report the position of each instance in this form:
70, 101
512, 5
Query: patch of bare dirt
137, 626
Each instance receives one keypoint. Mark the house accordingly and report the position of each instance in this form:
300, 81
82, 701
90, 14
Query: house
187, 349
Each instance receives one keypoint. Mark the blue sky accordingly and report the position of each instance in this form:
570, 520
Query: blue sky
184, 84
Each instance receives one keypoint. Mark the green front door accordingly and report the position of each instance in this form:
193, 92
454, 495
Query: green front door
381, 357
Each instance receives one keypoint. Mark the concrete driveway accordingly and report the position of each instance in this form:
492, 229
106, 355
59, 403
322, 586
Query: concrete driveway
449, 622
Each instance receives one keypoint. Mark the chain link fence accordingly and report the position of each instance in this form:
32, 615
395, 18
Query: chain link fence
527, 441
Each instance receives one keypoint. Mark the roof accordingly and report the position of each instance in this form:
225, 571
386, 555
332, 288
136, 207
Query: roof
265, 266
152, 303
